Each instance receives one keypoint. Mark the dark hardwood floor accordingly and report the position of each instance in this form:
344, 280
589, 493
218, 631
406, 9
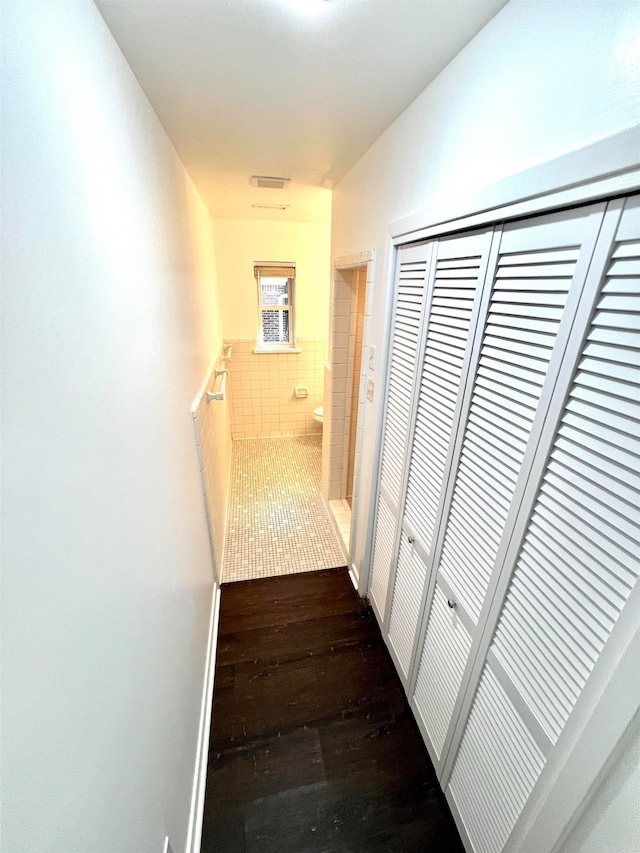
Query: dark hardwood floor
313, 747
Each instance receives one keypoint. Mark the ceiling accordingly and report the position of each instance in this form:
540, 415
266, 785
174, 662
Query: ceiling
296, 88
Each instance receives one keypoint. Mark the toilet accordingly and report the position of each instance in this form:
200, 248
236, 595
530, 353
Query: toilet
318, 414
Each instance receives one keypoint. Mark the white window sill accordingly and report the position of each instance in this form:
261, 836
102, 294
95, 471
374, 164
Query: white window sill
275, 350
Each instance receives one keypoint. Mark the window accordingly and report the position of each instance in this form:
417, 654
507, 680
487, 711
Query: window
276, 320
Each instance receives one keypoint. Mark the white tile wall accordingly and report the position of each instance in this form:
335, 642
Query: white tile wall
343, 381
261, 389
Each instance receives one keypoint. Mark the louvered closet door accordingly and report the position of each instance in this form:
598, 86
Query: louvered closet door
460, 268
411, 283
537, 264
576, 567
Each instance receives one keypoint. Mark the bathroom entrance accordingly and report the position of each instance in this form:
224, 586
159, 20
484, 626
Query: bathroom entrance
345, 394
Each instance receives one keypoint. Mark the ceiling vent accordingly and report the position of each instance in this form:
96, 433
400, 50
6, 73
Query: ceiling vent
269, 182
272, 206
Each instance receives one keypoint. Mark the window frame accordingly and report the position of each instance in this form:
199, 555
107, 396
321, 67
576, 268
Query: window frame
276, 269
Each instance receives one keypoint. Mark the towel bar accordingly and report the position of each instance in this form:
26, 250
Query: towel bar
222, 392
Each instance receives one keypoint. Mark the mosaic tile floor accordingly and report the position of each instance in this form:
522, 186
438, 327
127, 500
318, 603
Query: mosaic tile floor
277, 521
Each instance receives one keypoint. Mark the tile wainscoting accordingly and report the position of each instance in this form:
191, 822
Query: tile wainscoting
261, 389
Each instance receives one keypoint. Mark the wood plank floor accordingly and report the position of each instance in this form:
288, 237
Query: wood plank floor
313, 747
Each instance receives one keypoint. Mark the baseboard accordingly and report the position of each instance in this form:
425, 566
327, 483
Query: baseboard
196, 813
318, 433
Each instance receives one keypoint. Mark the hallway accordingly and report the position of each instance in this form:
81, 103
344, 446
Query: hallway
423, 218
313, 747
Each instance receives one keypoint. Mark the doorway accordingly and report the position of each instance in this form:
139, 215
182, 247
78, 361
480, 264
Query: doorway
344, 396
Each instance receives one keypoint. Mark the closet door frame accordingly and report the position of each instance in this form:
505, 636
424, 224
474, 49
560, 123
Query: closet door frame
604, 170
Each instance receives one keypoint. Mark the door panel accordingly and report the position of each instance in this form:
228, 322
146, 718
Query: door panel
410, 295
444, 657
577, 566
536, 266
459, 270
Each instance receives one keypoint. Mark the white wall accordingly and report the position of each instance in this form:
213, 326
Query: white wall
109, 322
613, 810
241, 242
541, 79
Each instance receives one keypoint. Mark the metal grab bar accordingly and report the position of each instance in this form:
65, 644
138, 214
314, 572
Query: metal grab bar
222, 392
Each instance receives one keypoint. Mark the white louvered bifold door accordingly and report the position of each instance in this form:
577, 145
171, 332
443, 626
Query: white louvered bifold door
525, 328
460, 268
579, 559
406, 335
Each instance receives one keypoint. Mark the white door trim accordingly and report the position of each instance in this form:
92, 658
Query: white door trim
602, 169
358, 260
196, 811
